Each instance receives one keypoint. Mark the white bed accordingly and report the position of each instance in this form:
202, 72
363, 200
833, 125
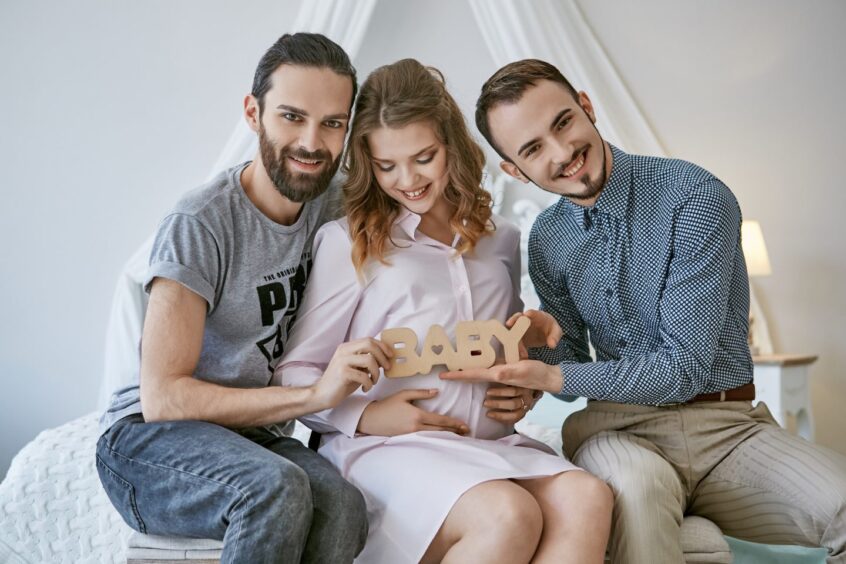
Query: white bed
53, 509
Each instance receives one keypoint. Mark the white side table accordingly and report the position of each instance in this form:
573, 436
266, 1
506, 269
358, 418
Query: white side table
781, 381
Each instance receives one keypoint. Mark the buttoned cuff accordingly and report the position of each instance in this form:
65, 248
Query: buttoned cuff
561, 394
581, 379
346, 415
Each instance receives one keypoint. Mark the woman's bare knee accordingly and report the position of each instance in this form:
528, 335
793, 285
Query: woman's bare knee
577, 511
589, 493
572, 496
583, 496
496, 520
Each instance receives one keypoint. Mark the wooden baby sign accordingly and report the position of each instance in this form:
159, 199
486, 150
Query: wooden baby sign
472, 346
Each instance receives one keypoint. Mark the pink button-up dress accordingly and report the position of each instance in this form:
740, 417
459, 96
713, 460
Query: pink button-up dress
410, 482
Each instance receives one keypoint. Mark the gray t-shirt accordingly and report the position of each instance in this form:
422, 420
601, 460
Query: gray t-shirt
250, 270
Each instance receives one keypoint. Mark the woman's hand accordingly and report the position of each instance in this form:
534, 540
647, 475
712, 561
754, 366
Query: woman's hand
544, 330
354, 364
397, 415
510, 404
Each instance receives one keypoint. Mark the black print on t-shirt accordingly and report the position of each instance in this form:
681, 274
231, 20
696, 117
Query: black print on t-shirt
284, 296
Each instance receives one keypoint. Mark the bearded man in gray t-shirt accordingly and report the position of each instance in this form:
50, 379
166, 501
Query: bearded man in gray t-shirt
195, 447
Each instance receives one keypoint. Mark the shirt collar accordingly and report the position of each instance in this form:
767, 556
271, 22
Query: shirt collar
614, 199
408, 221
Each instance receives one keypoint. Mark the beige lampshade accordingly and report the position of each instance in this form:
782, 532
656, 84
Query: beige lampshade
754, 249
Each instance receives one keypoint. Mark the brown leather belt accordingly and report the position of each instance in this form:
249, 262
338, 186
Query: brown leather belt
746, 392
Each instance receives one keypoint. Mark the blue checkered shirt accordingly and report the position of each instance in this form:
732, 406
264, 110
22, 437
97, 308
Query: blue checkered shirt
654, 275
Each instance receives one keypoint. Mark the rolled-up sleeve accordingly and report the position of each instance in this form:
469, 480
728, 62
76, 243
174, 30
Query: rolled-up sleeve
185, 250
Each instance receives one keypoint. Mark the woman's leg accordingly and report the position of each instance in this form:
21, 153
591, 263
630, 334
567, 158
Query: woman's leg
576, 509
496, 521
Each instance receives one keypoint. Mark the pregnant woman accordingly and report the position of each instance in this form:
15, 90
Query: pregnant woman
444, 480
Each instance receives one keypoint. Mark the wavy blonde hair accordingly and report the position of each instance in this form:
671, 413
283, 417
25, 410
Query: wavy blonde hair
394, 96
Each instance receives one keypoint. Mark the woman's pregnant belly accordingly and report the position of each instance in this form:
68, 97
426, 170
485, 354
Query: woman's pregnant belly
460, 400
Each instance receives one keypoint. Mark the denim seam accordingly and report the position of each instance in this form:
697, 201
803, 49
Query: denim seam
132, 503
237, 536
154, 465
243, 495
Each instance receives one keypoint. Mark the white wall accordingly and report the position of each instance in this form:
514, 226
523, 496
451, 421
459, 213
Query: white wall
750, 90
753, 91
110, 110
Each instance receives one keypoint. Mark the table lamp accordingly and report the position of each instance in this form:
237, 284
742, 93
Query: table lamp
757, 264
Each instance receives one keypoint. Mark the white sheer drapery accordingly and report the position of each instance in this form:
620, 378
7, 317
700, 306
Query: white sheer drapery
556, 31
552, 30
344, 22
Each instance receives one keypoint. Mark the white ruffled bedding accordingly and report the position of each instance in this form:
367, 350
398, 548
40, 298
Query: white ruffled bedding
53, 509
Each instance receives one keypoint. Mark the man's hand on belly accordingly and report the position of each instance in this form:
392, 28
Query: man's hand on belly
509, 404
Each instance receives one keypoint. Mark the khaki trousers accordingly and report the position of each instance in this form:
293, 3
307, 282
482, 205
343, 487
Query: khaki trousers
726, 461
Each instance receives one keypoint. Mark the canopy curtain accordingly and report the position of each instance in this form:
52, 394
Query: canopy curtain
344, 22
556, 31
552, 30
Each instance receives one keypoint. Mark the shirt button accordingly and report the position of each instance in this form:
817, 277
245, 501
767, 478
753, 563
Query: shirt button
605, 238
622, 343
462, 289
609, 292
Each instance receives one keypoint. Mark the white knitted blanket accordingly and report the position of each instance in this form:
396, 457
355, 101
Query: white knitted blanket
52, 507
54, 510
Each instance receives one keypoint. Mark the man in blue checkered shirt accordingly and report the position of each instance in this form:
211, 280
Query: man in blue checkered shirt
641, 257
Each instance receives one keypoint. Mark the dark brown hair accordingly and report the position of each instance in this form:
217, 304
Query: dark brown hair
507, 86
303, 49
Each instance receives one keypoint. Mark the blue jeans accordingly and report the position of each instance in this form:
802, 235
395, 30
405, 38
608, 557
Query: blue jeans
270, 499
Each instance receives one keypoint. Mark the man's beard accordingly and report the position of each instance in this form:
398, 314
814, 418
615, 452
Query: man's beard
296, 187
592, 186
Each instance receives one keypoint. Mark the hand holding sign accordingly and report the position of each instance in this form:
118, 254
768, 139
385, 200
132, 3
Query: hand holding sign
544, 329
531, 374
473, 346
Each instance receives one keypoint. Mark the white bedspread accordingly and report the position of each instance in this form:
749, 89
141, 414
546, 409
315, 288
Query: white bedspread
53, 509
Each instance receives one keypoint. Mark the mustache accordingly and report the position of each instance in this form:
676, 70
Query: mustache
299, 152
560, 170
